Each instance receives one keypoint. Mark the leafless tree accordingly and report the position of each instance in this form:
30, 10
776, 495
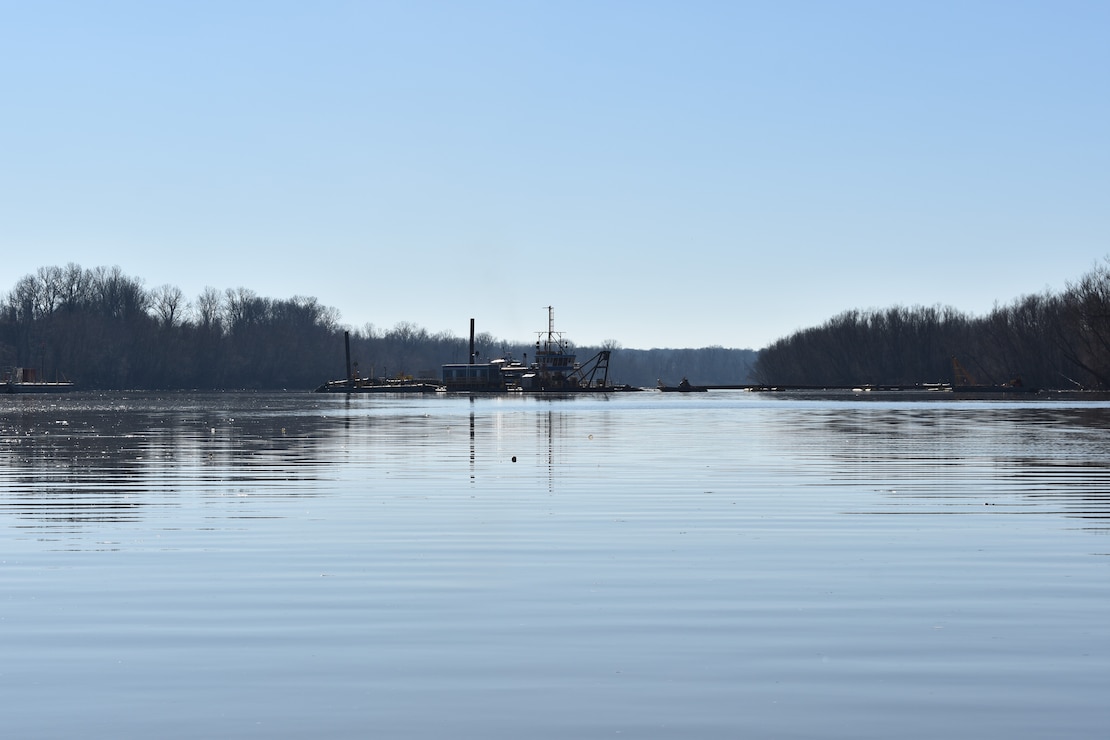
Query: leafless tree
207, 308
168, 303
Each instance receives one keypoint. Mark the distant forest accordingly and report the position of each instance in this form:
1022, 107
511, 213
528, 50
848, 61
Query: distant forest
105, 330
1051, 341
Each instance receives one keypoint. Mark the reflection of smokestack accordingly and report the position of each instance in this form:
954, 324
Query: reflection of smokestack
347, 345
472, 341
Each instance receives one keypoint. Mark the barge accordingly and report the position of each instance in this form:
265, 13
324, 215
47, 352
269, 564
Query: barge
26, 380
353, 383
682, 387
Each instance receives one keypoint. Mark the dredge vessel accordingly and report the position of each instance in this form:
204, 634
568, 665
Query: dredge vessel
554, 369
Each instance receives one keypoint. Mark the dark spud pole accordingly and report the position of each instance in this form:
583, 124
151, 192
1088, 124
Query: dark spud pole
347, 346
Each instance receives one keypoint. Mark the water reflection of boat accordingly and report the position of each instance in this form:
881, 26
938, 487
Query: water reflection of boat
554, 369
26, 380
683, 387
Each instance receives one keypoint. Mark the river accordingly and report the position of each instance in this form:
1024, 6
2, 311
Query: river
638, 565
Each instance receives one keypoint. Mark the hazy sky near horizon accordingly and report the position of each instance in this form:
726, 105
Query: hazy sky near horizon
665, 174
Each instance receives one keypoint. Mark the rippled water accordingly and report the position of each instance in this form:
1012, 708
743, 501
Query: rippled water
639, 565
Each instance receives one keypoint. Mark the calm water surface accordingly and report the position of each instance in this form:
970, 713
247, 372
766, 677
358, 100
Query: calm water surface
640, 565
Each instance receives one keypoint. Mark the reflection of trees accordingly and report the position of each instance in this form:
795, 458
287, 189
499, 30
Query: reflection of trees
64, 467
68, 462
1044, 456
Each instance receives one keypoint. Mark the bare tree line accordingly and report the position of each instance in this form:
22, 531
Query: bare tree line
1050, 340
107, 330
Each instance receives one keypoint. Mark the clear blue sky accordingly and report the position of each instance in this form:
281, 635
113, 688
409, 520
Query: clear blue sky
675, 174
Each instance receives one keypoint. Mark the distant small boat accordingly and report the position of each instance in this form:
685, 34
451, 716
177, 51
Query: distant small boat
26, 380
683, 387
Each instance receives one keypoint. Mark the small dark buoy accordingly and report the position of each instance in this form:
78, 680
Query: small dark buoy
514, 458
